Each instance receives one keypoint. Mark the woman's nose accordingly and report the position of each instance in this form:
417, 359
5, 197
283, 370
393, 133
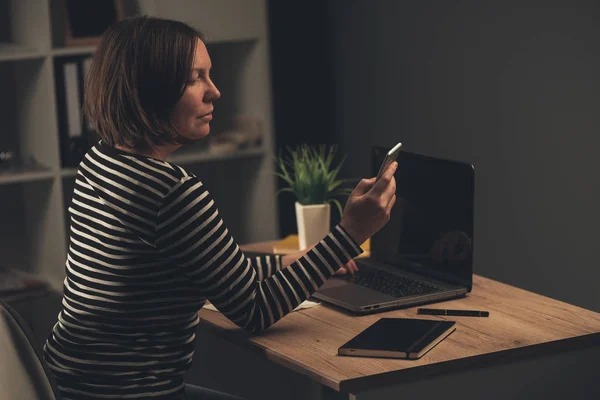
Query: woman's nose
213, 93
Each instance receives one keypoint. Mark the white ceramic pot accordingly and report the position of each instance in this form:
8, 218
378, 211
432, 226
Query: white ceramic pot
313, 223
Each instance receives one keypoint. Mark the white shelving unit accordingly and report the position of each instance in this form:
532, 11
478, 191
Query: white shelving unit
34, 198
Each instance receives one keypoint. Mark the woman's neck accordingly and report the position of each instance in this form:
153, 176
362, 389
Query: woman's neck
158, 152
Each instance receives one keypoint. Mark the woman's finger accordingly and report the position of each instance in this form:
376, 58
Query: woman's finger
341, 271
351, 266
391, 203
383, 185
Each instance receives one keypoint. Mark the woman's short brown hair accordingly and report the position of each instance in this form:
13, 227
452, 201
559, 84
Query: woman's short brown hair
137, 75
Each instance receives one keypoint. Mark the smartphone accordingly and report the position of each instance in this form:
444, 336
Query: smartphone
390, 157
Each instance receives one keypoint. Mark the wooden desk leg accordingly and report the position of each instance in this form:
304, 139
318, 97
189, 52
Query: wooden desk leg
326, 393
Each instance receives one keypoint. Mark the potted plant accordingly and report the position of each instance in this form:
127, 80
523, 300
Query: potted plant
310, 174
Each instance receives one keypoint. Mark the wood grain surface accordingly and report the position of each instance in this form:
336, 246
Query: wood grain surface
521, 324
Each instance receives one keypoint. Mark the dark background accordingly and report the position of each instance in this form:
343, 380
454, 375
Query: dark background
302, 85
511, 87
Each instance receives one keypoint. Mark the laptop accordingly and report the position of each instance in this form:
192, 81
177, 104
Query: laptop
424, 254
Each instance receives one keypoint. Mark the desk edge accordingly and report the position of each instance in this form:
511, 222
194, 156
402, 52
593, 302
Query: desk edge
355, 385
275, 357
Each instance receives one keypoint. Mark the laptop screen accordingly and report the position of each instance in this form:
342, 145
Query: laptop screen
431, 226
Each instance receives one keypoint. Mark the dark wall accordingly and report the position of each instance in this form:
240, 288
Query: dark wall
303, 91
511, 87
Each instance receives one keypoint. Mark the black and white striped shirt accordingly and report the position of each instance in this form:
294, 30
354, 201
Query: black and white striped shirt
147, 249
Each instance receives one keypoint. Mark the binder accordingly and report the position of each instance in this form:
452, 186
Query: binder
76, 133
72, 103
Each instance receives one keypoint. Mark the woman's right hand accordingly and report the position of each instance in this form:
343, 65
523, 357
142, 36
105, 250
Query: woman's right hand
369, 205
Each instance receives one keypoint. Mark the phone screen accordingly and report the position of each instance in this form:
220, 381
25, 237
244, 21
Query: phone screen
390, 157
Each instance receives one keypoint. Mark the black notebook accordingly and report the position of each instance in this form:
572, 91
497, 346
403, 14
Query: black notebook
398, 338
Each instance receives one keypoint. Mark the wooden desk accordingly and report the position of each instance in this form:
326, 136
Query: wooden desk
522, 326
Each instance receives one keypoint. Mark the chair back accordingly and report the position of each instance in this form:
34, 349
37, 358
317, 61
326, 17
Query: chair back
23, 374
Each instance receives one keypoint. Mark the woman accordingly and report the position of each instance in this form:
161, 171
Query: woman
147, 245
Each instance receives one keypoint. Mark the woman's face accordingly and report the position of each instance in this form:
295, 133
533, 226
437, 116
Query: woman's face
193, 112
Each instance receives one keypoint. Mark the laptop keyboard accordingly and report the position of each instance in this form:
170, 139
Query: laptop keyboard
389, 283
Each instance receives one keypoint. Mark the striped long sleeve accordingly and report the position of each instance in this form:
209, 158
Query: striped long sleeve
265, 265
147, 248
191, 233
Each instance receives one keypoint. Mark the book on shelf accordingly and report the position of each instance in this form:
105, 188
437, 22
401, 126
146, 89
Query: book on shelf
75, 131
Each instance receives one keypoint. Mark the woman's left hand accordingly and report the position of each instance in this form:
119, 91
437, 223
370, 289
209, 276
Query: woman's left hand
350, 268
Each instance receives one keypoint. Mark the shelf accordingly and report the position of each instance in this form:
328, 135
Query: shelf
77, 50
15, 52
73, 51
34, 235
25, 175
68, 172
208, 156
194, 158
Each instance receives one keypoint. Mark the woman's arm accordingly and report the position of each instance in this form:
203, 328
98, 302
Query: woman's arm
190, 233
268, 264
264, 264
289, 259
